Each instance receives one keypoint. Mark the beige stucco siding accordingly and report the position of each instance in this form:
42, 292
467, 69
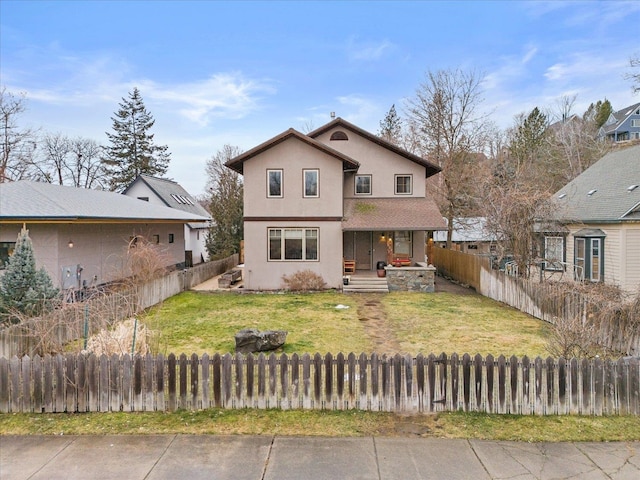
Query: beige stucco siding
98, 248
262, 274
380, 163
293, 156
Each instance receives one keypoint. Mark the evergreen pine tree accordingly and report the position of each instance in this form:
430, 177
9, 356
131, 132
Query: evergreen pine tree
226, 207
23, 289
131, 151
391, 127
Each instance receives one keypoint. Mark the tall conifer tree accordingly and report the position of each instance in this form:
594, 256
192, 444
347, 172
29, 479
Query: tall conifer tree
132, 151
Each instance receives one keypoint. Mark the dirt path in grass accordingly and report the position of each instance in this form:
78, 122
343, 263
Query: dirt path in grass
374, 318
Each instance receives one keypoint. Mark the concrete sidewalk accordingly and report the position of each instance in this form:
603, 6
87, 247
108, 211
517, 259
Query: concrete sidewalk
264, 457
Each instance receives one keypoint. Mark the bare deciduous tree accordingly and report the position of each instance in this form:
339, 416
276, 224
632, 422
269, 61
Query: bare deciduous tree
445, 109
18, 144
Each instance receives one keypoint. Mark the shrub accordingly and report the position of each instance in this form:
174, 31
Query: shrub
303, 281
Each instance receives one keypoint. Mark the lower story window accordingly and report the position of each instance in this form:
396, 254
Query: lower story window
553, 253
402, 242
588, 258
293, 244
6, 250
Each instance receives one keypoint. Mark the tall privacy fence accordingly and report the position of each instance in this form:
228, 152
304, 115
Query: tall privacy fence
75, 320
545, 301
79, 383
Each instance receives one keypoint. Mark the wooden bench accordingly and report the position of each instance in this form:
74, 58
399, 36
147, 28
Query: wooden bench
229, 278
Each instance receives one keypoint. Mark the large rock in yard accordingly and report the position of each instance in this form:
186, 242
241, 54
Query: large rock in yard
252, 340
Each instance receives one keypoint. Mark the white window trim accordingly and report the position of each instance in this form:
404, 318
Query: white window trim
395, 183
553, 264
304, 182
279, 170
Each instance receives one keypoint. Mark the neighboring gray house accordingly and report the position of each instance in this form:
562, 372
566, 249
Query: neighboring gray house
601, 212
337, 197
622, 125
470, 235
161, 191
81, 236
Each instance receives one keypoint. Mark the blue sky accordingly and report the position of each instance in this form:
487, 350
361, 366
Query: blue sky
213, 72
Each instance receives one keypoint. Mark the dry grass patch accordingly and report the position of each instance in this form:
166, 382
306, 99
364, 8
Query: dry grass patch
445, 322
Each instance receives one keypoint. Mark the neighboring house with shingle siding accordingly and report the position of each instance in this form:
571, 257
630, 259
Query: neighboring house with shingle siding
622, 125
162, 191
601, 212
312, 201
81, 236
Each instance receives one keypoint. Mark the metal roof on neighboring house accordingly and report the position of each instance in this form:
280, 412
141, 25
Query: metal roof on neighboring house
467, 229
385, 214
608, 191
172, 195
27, 201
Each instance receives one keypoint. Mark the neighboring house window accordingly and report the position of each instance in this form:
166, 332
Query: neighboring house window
156, 239
635, 123
274, 183
293, 244
339, 135
403, 184
589, 258
6, 250
311, 179
553, 253
171, 238
363, 185
402, 242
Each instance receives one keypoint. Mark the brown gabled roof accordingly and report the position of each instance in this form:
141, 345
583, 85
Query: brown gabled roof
414, 213
237, 163
431, 169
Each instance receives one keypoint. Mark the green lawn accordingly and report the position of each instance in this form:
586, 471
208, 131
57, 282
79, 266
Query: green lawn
194, 322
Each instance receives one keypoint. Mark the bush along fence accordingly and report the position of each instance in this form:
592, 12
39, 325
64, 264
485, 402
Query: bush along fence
79, 383
73, 321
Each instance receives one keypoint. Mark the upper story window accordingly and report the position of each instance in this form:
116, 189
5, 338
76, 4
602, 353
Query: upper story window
311, 183
635, 123
403, 184
339, 135
363, 185
274, 183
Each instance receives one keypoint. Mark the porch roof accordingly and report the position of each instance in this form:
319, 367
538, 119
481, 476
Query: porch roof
384, 214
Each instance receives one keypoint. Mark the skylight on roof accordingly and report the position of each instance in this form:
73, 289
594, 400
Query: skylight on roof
591, 192
632, 188
562, 195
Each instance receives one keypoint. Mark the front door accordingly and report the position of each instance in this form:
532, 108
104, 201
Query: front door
363, 250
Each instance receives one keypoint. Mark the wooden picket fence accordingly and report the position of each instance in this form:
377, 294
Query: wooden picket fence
79, 383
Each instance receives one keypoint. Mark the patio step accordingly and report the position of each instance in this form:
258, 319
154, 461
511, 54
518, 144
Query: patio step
366, 285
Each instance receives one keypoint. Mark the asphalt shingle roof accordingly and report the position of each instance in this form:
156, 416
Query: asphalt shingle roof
603, 192
26, 200
384, 214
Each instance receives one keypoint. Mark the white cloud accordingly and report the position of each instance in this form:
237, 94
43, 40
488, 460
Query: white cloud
367, 51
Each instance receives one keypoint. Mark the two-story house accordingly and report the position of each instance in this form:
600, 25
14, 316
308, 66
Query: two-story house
622, 125
312, 201
165, 192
